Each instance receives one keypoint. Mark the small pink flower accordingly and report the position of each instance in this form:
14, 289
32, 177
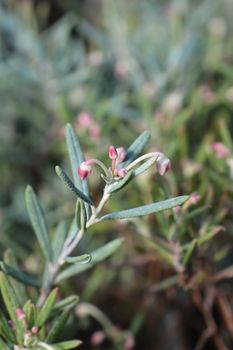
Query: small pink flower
20, 314
221, 150
121, 71
84, 170
120, 154
163, 165
112, 152
122, 172
95, 131
83, 120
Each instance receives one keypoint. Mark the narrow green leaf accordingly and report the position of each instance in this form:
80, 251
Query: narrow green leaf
209, 235
31, 314
80, 215
19, 275
190, 251
120, 184
76, 158
3, 345
145, 209
67, 303
27, 306
11, 303
142, 168
166, 254
46, 276
47, 308
19, 288
97, 256
57, 327
81, 259
9, 297
136, 148
38, 222
58, 240
165, 284
68, 182
42, 332
73, 229
71, 344
5, 329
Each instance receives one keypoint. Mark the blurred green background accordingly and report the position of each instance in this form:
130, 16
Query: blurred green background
113, 69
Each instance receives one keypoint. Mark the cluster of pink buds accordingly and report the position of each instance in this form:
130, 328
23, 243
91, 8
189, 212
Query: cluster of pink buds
117, 155
117, 170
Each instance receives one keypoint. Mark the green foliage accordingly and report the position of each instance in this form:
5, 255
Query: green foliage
161, 66
38, 222
29, 324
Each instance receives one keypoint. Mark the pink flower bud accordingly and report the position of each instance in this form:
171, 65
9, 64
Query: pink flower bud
122, 172
35, 329
112, 152
84, 170
163, 164
177, 209
129, 342
221, 150
20, 314
97, 338
120, 154
194, 198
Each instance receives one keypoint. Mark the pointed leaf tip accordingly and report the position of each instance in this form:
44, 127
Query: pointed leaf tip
47, 308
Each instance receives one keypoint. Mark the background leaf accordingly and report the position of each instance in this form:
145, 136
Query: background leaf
19, 288
57, 326
5, 330
20, 276
136, 148
97, 256
38, 222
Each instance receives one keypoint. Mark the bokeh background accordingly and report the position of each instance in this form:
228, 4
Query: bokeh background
113, 69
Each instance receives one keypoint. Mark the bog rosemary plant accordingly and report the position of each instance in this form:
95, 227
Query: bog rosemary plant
32, 326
